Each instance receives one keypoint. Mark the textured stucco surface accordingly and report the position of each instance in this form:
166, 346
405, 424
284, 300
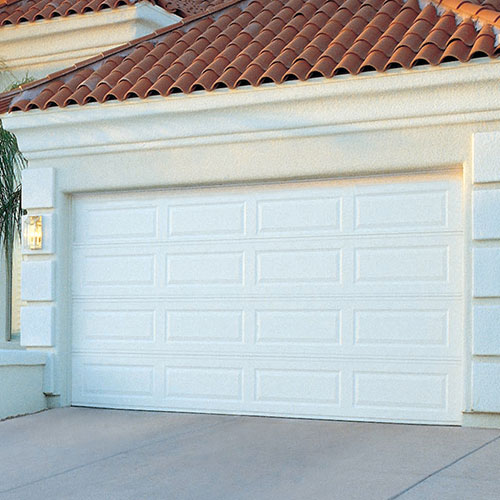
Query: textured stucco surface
21, 390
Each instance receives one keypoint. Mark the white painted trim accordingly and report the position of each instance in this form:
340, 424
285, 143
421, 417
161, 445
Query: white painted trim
19, 357
482, 420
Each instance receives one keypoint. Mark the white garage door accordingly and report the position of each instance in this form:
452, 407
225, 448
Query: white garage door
332, 300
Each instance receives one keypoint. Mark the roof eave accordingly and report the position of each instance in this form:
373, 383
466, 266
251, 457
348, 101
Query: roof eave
324, 106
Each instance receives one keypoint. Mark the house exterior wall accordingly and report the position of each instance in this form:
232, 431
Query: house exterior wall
16, 289
402, 122
486, 273
21, 390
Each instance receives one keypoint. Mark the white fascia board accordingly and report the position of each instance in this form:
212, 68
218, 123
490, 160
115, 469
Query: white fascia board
62, 41
451, 94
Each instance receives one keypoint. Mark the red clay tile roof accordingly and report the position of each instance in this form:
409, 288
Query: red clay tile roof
26, 11
185, 8
256, 42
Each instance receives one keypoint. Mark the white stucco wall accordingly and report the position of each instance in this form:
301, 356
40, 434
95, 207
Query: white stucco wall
422, 120
486, 273
21, 387
16, 289
21, 390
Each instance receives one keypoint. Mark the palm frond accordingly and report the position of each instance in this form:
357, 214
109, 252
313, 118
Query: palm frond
11, 163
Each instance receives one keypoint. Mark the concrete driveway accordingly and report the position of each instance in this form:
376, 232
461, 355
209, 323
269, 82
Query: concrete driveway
80, 453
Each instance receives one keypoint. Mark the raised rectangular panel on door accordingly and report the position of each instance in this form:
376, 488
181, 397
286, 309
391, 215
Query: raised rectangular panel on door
205, 325
293, 326
116, 271
111, 219
206, 383
114, 381
425, 390
411, 265
116, 325
207, 220
408, 327
338, 299
408, 207
298, 266
300, 214
205, 267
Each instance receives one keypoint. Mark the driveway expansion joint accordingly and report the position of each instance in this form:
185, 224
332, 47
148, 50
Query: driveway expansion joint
445, 467
173, 438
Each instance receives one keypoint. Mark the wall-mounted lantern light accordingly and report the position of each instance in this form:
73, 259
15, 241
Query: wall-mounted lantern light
33, 232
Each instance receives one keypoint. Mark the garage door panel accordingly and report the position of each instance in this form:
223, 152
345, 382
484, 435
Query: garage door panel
112, 219
205, 326
201, 220
425, 390
363, 389
205, 269
295, 326
109, 224
401, 211
419, 206
109, 380
283, 267
297, 386
383, 328
209, 383
253, 267
363, 266
415, 391
116, 271
400, 390
330, 300
191, 382
109, 270
416, 265
112, 323
402, 264
299, 216
208, 325
415, 327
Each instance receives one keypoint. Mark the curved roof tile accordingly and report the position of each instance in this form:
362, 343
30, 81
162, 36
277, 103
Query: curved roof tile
27, 11
254, 42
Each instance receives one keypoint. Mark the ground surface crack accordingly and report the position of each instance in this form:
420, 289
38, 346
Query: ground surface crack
468, 454
174, 438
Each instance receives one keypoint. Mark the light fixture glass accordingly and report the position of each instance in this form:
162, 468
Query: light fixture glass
33, 232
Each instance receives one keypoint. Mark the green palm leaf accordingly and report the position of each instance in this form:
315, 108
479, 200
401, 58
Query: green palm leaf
11, 163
